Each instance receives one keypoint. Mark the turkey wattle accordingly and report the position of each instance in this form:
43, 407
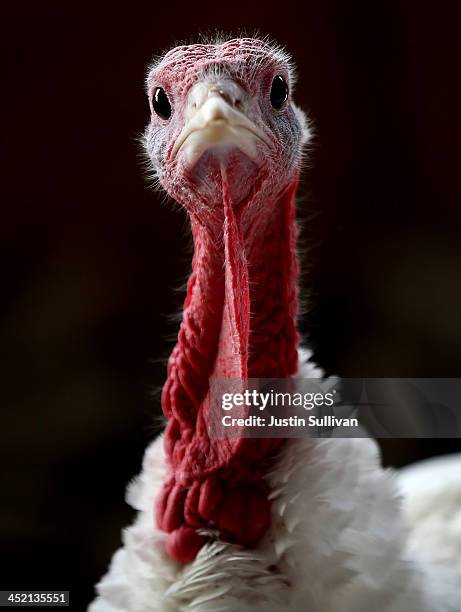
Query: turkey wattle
312, 525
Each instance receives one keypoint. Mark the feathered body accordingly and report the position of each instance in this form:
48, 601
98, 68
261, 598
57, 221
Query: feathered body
339, 541
251, 524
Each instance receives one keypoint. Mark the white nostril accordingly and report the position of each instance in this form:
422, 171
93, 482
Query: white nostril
202, 92
216, 91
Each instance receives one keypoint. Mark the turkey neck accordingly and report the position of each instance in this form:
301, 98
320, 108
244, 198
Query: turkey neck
239, 321
239, 318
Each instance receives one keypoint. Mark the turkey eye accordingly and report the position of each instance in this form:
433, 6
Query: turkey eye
279, 92
161, 104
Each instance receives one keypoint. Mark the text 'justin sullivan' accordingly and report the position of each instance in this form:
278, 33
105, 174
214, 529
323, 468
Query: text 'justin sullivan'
308, 401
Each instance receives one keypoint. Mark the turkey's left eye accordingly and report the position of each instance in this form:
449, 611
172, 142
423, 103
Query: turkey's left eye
279, 92
161, 103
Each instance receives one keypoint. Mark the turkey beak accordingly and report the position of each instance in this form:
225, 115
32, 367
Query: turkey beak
215, 119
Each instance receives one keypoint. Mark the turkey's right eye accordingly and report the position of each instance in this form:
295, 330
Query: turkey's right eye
279, 92
161, 103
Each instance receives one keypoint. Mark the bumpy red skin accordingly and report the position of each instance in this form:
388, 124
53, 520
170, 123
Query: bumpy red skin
216, 483
239, 317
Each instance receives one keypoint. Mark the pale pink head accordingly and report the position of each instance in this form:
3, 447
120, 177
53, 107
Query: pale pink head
223, 108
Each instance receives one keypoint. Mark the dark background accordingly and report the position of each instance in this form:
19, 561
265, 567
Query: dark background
91, 255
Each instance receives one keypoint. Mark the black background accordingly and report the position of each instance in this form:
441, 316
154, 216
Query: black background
91, 256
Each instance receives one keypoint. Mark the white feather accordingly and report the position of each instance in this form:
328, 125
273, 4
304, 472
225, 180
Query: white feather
341, 540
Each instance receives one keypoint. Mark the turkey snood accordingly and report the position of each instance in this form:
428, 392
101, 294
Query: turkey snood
225, 140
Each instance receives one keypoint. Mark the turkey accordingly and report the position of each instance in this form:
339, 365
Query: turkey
312, 525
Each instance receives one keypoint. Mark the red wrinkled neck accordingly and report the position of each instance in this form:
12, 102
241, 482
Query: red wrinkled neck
239, 321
